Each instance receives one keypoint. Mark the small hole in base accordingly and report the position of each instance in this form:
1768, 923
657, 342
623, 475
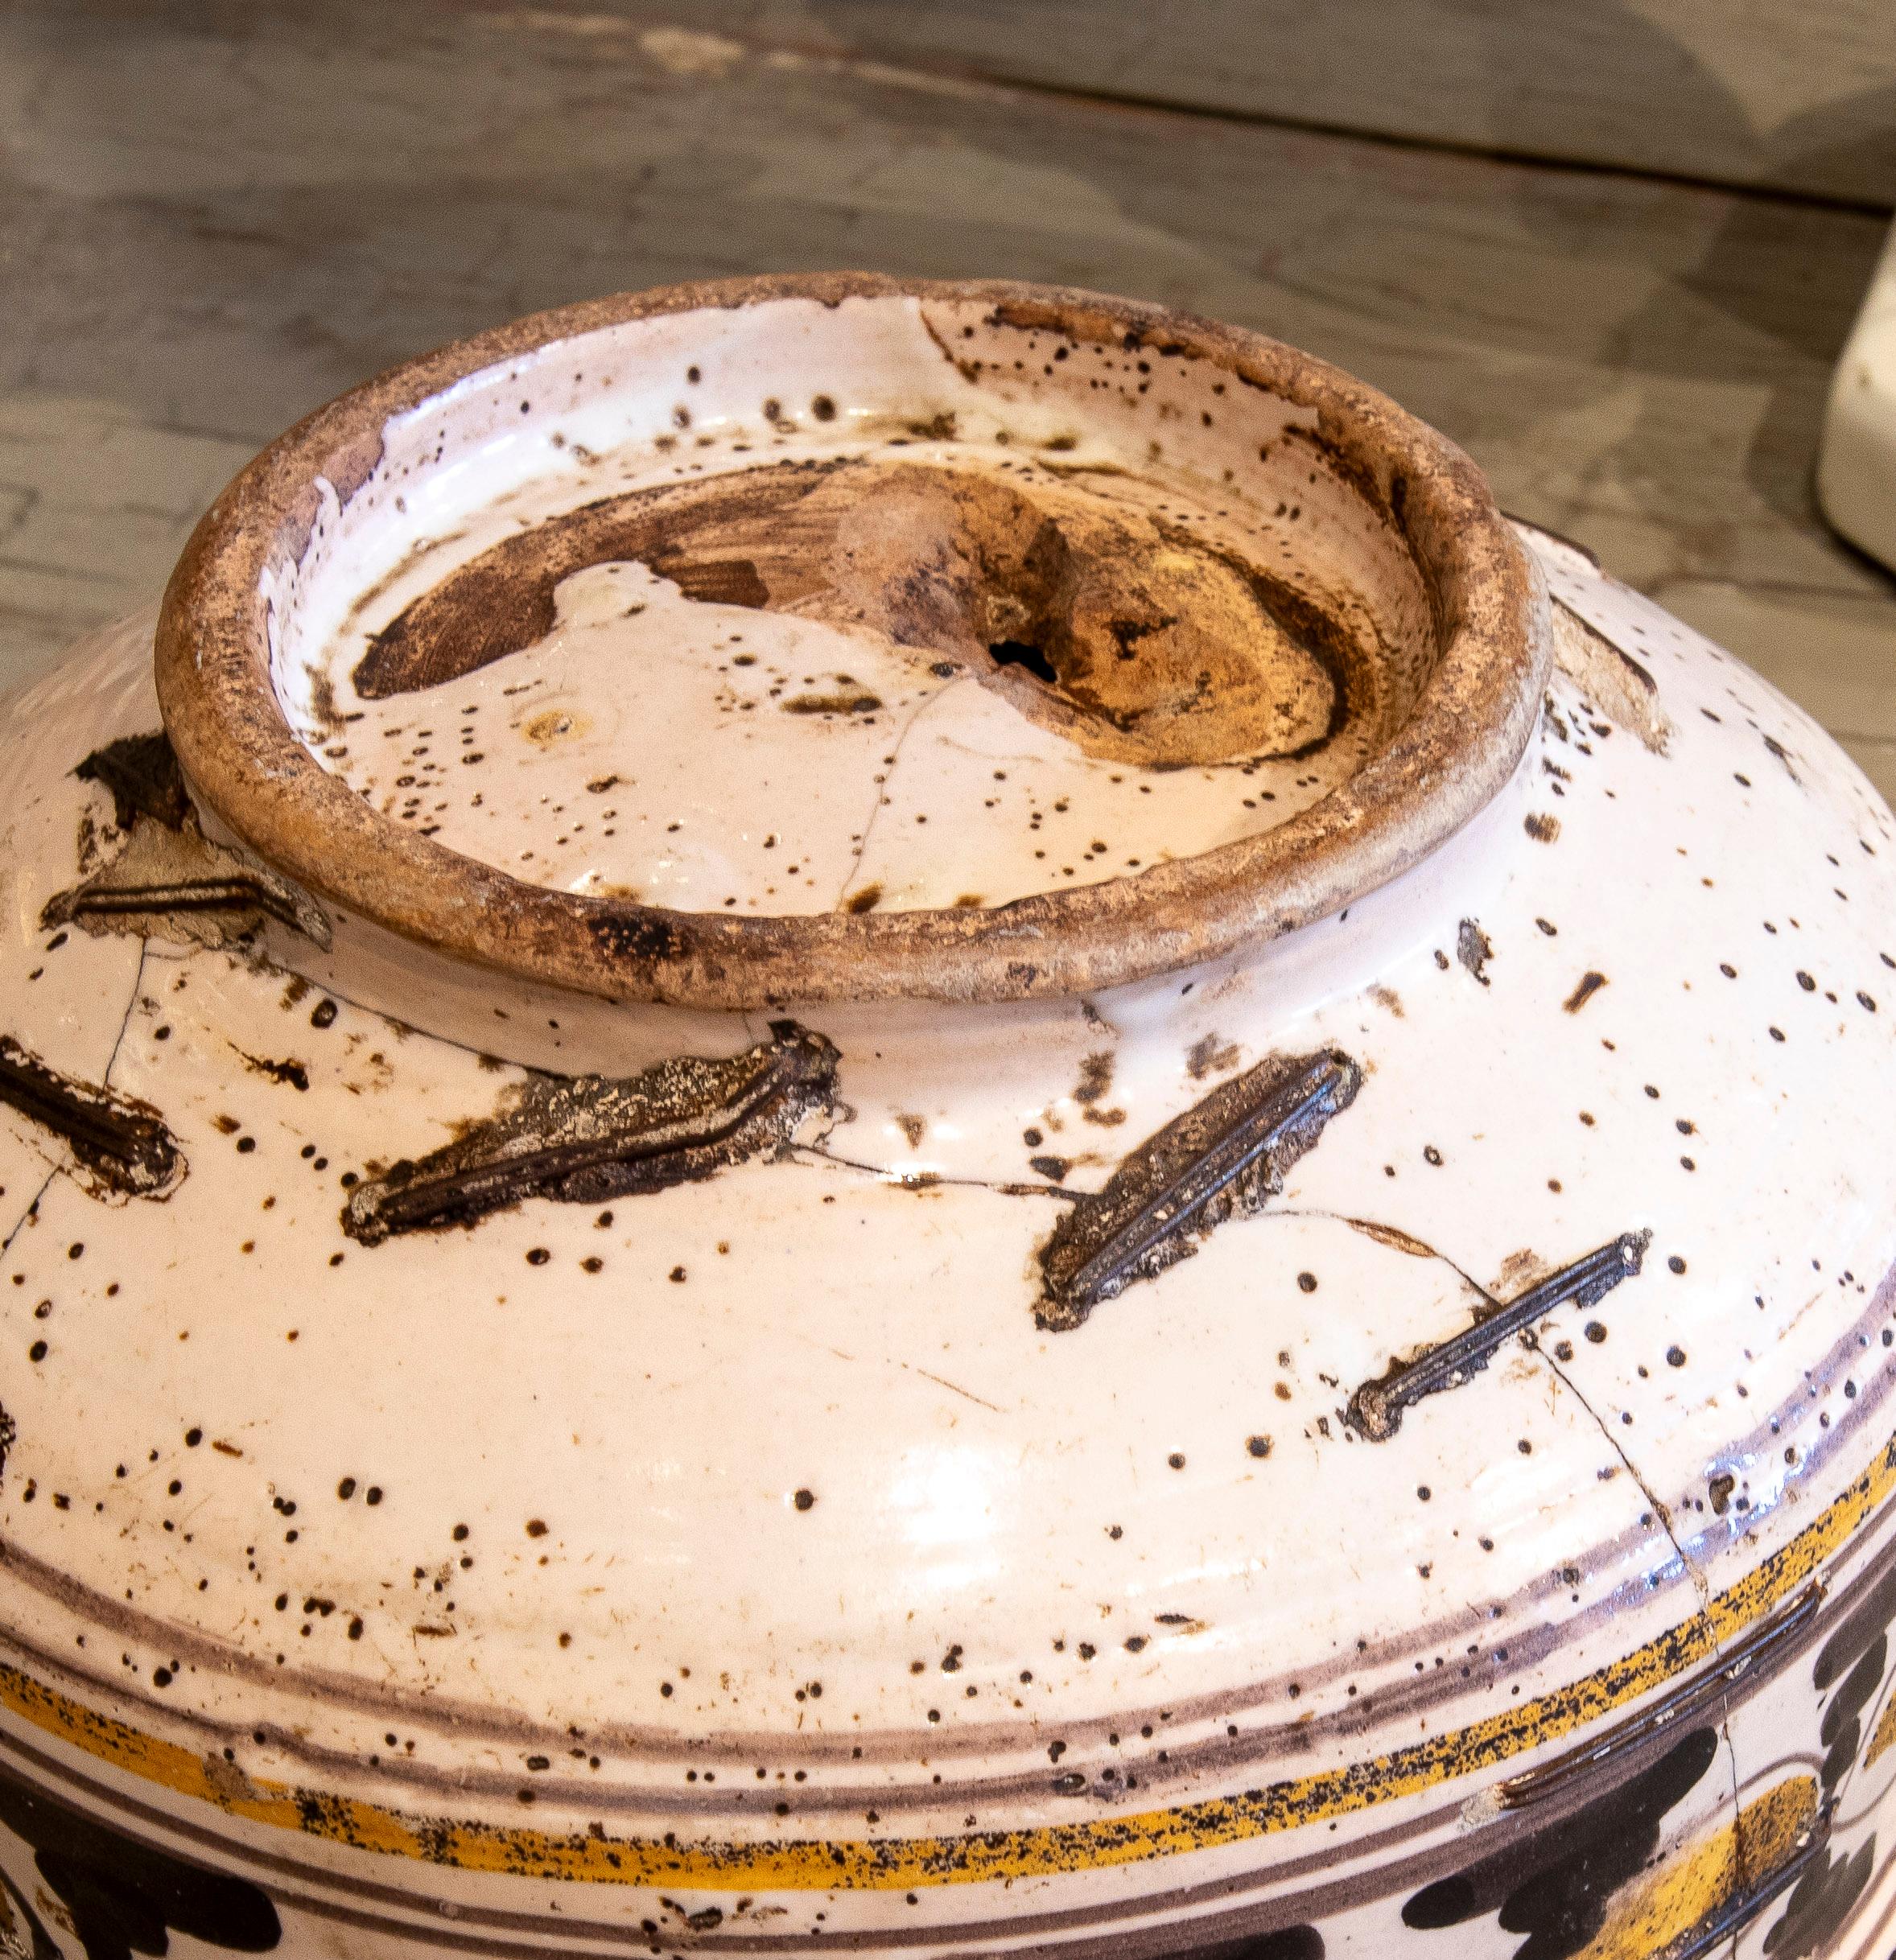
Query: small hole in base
1019, 654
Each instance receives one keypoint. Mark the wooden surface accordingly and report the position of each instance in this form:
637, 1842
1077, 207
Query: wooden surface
1765, 91
213, 218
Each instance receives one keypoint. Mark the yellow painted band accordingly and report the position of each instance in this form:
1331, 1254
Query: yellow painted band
1685, 1890
796, 1864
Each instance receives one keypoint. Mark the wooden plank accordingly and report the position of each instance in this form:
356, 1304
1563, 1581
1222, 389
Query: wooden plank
1751, 92
206, 232
95, 502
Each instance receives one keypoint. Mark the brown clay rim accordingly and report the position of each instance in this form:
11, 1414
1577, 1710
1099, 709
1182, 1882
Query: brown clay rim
1458, 746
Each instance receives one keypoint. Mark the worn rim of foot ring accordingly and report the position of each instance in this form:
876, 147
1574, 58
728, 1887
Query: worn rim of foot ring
1465, 734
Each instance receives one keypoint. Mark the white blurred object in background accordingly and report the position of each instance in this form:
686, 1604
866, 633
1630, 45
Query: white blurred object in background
1856, 465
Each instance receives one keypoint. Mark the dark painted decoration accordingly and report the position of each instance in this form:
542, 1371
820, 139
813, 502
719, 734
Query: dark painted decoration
588, 1137
1375, 1409
120, 1141
1849, 1673
1842, 1728
1285, 1943
1220, 1160
1555, 1886
141, 775
1820, 1903
1852, 1662
124, 1897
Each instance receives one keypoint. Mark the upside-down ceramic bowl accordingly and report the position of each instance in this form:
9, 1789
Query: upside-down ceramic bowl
840, 1114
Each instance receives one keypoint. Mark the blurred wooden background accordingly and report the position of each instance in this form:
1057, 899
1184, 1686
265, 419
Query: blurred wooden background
1612, 246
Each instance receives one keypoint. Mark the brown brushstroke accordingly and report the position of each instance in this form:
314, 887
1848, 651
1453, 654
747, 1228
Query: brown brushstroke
583, 1139
858, 702
121, 1143
141, 775
1220, 1160
1677, 1709
506, 598
1375, 1409
168, 879
1394, 1237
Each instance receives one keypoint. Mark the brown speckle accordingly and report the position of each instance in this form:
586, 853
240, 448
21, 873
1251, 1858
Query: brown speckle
1096, 1078
1474, 949
1210, 1054
841, 703
1589, 985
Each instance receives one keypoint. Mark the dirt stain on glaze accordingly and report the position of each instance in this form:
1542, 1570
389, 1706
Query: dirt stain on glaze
292, 1074
1376, 1409
1210, 1054
1220, 1160
1612, 682
583, 1139
120, 1145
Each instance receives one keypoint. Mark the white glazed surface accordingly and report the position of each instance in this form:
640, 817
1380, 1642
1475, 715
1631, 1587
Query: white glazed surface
943, 792
640, 1603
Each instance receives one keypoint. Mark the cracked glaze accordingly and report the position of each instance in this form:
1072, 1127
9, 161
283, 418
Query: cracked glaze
739, 1554
1285, 640
815, 589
